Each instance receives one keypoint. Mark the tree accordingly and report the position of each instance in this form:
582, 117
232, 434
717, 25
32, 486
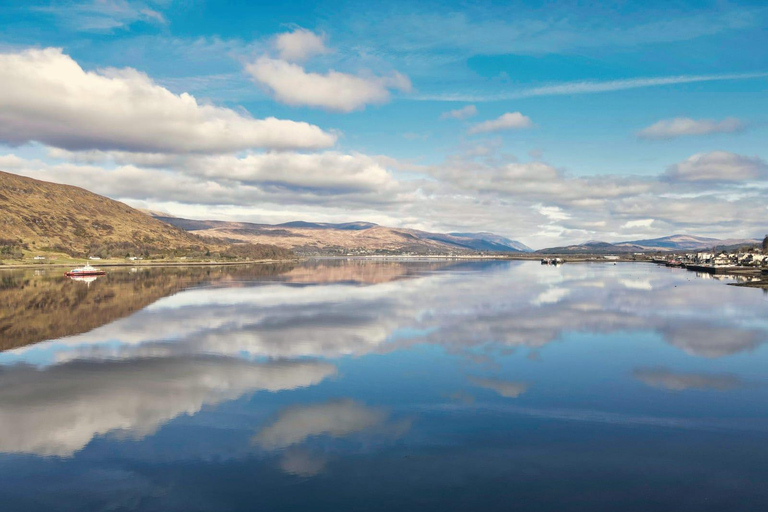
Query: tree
765, 244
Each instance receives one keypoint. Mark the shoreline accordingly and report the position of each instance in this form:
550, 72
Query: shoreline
43, 266
725, 271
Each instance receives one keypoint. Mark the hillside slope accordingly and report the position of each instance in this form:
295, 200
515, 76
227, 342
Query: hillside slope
688, 242
348, 238
667, 243
39, 216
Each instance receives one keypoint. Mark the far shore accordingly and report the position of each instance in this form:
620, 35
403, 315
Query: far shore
145, 263
570, 258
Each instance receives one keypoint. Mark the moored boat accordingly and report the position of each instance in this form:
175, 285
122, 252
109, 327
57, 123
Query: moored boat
86, 270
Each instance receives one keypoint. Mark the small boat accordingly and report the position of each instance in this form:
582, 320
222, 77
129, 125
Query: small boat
86, 270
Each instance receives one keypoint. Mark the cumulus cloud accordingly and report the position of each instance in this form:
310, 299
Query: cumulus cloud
342, 92
47, 97
508, 121
300, 44
461, 113
718, 166
337, 418
505, 388
682, 126
287, 177
675, 381
58, 410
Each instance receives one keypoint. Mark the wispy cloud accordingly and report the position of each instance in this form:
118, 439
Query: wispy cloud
587, 87
461, 113
685, 126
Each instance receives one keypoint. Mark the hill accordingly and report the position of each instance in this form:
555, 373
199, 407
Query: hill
593, 247
348, 238
667, 243
689, 242
38, 216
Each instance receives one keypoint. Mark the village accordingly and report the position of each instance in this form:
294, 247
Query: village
749, 264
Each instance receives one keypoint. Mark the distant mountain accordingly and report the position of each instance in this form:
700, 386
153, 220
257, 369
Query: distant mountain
667, 243
688, 242
41, 217
349, 238
496, 240
353, 226
592, 247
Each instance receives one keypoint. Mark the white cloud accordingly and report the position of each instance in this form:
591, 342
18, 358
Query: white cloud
461, 113
329, 171
47, 97
681, 126
639, 223
553, 213
291, 84
276, 177
300, 45
718, 166
508, 121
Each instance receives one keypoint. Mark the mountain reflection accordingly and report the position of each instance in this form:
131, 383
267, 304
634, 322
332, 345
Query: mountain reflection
42, 305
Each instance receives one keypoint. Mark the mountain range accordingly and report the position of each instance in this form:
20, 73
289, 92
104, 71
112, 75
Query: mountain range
667, 243
310, 238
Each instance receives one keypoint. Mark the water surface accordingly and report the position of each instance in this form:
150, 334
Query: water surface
395, 385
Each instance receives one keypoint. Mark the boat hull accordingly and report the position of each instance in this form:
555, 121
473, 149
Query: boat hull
89, 273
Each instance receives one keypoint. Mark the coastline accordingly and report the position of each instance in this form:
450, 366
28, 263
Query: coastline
43, 266
743, 272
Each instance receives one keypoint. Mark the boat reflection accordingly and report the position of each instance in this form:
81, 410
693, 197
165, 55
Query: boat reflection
83, 279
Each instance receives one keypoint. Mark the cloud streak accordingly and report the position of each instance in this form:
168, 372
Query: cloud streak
685, 126
588, 87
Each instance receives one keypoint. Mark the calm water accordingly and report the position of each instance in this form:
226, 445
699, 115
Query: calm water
383, 386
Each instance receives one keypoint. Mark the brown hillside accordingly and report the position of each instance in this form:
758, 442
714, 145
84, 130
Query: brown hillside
69, 219
41, 216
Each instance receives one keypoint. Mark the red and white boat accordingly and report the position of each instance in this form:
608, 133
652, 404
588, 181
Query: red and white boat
86, 270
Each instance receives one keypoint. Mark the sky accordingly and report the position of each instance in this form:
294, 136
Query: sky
549, 122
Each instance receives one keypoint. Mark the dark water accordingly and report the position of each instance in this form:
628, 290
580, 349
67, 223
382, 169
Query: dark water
384, 386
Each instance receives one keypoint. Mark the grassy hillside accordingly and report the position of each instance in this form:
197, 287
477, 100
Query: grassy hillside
37, 217
358, 238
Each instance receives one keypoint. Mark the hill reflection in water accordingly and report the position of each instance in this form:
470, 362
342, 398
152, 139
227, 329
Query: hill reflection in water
388, 383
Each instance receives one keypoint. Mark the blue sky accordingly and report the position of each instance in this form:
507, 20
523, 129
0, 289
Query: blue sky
626, 119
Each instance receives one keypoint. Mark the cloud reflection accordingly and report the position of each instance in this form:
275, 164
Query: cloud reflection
337, 418
505, 388
675, 381
60, 409
476, 310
